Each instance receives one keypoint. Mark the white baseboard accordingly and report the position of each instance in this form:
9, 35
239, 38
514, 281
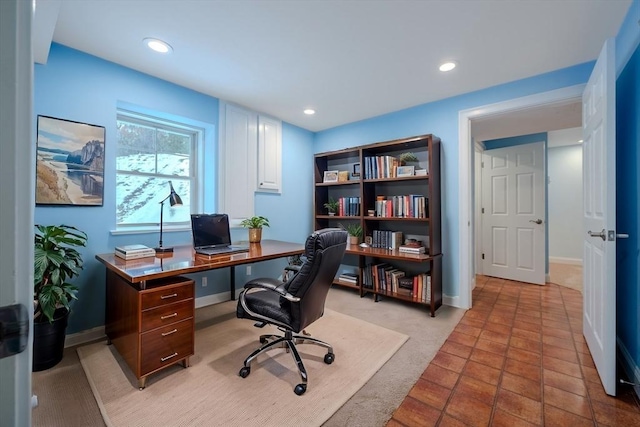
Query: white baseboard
83, 337
452, 301
547, 278
628, 364
561, 260
98, 333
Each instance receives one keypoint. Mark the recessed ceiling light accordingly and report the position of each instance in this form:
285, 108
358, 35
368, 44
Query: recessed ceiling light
158, 45
447, 66
309, 112
580, 140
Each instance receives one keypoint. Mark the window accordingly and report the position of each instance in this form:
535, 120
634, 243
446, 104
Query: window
152, 153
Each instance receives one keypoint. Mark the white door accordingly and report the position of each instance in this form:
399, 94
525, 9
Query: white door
17, 173
599, 254
513, 218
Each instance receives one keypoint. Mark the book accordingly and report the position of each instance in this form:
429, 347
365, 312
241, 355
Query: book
412, 249
134, 251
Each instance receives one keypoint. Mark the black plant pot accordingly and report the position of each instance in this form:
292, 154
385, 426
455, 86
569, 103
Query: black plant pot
48, 341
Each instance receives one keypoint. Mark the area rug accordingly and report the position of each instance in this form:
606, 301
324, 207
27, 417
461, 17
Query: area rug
210, 392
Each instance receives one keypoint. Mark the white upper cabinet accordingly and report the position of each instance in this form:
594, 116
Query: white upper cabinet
250, 153
269, 154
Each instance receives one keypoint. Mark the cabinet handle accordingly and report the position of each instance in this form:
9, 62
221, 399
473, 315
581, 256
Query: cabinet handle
168, 316
164, 334
164, 359
168, 296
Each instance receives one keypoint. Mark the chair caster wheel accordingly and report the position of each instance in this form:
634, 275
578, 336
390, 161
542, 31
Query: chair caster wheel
300, 389
244, 372
329, 358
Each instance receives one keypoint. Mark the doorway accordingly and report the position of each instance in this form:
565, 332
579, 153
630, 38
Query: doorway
471, 123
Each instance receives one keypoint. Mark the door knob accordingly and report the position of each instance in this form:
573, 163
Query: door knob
537, 221
601, 234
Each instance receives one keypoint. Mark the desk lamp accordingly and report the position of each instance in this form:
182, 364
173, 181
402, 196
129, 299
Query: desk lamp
174, 200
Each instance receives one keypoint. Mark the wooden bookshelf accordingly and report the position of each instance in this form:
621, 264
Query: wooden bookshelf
415, 209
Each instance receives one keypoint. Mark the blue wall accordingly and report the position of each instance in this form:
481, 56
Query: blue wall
441, 119
76, 86
628, 208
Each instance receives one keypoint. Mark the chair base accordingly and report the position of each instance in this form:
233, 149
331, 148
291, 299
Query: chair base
288, 341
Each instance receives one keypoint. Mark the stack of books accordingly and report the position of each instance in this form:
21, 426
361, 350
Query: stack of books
349, 278
412, 249
134, 251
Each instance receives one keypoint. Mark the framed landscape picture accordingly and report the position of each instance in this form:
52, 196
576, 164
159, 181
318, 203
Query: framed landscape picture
405, 171
330, 176
69, 163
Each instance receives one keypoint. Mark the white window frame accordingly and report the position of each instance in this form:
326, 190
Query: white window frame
196, 174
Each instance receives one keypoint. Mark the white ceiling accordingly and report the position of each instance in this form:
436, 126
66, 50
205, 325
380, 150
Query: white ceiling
349, 60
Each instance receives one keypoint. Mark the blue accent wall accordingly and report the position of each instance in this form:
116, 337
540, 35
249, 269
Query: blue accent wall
628, 210
441, 119
80, 87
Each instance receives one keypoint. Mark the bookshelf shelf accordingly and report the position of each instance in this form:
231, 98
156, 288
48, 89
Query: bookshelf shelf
411, 205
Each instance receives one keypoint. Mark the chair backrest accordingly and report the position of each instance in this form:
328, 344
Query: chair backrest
324, 250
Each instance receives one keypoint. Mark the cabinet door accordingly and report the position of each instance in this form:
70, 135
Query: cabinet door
238, 146
269, 154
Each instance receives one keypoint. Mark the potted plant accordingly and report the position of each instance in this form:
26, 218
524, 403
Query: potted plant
355, 232
255, 224
56, 260
332, 206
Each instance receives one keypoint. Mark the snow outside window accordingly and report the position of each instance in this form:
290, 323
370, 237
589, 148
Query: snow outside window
152, 153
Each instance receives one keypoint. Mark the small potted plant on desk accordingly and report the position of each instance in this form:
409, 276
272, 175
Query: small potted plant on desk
55, 261
355, 232
255, 224
332, 206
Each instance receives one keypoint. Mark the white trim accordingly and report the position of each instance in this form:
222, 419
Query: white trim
547, 278
561, 260
451, 301
84, 337
213, 299
465, 169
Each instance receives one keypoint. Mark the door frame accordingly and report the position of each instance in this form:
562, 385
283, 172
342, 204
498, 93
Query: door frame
466, 173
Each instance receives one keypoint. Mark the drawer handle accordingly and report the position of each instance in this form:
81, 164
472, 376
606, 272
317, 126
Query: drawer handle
164, 359
164, 334
168, 296
168, 316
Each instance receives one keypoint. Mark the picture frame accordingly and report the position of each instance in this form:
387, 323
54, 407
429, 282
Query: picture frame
404, 171
330, 176
69, 162
356, 170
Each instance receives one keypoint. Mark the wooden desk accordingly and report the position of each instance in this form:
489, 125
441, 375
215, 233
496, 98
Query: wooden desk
150, 307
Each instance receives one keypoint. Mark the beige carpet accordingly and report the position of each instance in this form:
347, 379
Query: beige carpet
568, 275
210, 392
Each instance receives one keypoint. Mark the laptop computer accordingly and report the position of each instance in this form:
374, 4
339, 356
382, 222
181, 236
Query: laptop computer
211, 235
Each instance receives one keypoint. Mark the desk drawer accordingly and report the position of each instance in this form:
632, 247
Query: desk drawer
167, 294
167, 345
166, 315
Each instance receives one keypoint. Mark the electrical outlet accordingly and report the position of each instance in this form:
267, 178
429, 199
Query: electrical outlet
204, 282
248, 270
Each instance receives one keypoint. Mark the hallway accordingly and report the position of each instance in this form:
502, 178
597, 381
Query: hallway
518, 358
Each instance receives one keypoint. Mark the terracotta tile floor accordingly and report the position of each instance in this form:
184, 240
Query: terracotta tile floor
518, 358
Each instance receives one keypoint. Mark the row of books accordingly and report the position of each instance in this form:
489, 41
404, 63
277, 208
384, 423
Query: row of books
379, 167
348, 206
386, 239
384, 277
128, 252
409, 206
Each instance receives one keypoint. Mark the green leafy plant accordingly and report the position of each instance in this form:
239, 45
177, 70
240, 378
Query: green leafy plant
55, 261
407, 157
332, 205
255, 222
354, 229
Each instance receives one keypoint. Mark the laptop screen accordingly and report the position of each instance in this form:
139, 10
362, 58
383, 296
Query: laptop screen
210, 230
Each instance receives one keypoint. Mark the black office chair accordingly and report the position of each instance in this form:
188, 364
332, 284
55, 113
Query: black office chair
293, 305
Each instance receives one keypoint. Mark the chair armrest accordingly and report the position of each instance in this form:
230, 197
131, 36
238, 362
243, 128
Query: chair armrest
273, 285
